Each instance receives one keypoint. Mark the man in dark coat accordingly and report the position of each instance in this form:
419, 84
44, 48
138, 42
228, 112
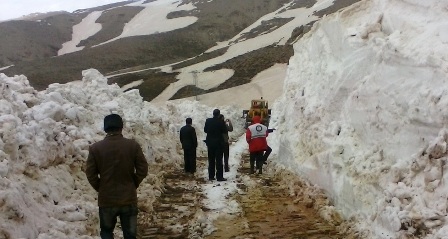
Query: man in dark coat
215, 128
189, 143
115, 168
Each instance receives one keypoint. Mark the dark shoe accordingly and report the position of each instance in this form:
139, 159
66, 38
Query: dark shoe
264, 162
227, 169
211, 179
222, 179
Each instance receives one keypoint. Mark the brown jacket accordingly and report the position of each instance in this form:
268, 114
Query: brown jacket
115, 167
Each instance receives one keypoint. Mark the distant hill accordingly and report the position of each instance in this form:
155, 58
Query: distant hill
32, 45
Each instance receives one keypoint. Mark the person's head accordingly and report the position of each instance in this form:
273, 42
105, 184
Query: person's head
221, 117
256, 119
113, 123
216, 112
188, 121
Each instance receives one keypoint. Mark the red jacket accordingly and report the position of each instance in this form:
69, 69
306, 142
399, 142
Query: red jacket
256, 136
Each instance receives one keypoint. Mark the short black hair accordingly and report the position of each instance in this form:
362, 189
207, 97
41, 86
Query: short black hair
216, 112
112, 123
188, 121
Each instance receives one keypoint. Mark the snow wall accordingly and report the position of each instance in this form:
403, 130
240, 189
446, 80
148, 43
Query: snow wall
364, 115
44, 140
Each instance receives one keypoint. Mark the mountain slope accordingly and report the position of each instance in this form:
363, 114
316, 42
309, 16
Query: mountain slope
217, 21
34, 40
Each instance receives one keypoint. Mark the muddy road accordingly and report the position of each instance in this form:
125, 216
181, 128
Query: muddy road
269, 209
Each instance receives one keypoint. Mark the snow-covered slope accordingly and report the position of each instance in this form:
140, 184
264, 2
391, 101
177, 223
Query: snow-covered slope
44, 139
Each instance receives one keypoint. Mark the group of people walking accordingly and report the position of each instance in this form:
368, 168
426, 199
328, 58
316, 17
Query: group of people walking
217, 129
116, 165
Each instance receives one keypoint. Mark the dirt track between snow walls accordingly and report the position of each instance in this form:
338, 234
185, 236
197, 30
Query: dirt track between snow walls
273, 206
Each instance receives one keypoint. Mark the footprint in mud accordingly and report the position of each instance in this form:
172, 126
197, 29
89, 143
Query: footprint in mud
174, 212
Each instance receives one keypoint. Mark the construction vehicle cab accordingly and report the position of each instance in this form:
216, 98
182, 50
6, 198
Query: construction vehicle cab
257, 107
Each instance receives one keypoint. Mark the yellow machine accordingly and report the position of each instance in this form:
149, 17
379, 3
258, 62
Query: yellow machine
258, 107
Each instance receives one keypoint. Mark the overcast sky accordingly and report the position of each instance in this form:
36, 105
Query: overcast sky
18, 8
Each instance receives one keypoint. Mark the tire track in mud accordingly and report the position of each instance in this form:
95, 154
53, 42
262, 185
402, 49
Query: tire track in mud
268, 210
174, 212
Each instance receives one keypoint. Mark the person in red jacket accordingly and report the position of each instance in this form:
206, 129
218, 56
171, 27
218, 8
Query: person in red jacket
256, 138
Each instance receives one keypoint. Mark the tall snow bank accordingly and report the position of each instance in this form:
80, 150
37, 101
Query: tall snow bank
44, 140
364, 115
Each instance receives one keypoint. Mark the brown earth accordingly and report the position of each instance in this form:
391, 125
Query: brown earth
268, 211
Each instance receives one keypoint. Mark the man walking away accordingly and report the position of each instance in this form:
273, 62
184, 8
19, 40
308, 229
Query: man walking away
256, 138
229, 128
215, 128
189, 143
115, 167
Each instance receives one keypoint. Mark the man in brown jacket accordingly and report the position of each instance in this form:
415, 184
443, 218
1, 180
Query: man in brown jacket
115, 168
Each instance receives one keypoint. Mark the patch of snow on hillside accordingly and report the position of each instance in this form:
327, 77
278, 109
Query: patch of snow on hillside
85, 29
6, 67
202, 80
267, 84
153, 19
132, 85
302, 16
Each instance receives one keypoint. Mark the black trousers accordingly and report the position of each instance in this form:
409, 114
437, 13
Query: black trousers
215, 165
128, 219
226, 155
266, 153
256, 157
190, 160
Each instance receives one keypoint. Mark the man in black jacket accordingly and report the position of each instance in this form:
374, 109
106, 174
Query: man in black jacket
215, 128
189, 143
